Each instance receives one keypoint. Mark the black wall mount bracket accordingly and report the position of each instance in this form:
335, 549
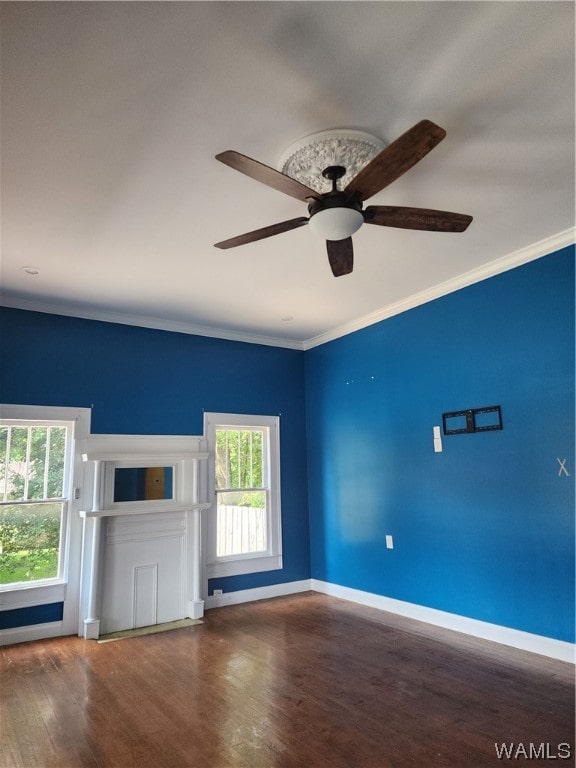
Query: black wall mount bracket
485, 419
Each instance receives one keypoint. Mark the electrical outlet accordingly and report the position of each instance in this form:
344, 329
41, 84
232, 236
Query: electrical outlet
217, 592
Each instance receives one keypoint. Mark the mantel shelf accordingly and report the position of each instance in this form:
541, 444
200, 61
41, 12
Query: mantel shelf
141, 510
145, 457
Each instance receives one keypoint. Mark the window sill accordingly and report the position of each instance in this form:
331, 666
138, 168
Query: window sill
22, 596
244, 565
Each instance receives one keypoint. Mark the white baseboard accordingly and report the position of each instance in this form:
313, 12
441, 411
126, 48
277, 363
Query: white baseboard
525, 641
515, 638
33, 632
259, 593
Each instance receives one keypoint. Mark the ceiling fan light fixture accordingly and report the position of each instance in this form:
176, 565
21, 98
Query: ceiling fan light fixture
336, 223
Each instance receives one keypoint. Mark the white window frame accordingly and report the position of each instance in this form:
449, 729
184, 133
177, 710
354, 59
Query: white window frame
66, 587
271, 559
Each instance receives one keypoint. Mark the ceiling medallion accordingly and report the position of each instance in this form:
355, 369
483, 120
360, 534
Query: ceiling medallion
306, 159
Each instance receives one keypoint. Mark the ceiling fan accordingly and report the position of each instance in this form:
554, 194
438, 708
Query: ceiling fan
337, 214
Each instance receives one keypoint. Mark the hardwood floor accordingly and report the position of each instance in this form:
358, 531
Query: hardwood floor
306, 681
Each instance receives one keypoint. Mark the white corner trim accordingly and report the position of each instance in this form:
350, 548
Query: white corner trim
33, 632
258, 593
491, 269
525, 641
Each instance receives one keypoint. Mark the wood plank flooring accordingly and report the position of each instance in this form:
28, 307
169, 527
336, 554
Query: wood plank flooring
306, 681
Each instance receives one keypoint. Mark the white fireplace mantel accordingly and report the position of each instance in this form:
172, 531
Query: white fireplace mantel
91, 513
103, 454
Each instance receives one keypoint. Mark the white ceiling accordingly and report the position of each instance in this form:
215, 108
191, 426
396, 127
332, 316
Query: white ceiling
112, 113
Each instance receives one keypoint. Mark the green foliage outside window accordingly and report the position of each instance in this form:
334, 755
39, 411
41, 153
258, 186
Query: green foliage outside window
42, 462
240, 465
29, 542
32, 462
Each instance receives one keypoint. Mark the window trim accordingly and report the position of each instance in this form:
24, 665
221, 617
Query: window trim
271, 559
66, 587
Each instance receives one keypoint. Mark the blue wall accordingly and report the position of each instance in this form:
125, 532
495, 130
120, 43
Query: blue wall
142, 381
484, 529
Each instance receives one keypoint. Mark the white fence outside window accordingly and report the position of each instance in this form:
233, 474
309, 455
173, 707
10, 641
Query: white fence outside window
240, 530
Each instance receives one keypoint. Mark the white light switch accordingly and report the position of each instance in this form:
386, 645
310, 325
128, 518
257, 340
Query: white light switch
389, 542
437, 439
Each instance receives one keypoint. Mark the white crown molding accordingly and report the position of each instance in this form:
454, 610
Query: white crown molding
143, 321
491, 269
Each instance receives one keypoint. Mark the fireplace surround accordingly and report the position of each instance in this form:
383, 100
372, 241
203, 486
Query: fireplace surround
142, 557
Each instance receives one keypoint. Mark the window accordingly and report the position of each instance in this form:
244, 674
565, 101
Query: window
41, 495
244, 533
33, 500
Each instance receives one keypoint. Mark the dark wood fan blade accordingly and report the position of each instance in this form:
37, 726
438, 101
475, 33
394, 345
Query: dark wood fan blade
340, 256
416, 218
266, 175
260, 234
396, 159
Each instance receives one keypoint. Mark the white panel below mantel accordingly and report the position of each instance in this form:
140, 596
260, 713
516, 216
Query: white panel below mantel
144, 574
